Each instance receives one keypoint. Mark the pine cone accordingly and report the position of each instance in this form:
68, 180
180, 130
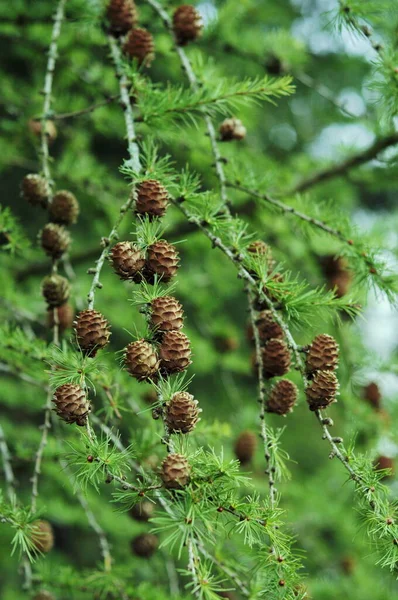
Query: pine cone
122, 16
162, 261
384, 462
175, 352
259, 248
276, 358
92, 331
323, 354
337, 273
141, 360
42, 536
142, 511
152, 198
245, 446
55, 240
64, 209
35, 127
43, 595
71, 404
145, 544
166, 314
322, 390
127, 261
65, 316
372, 394
139, 44
187, 24
232, 129
282, 397
55, 290
226, 343
274, 65
267, 327
35, 190
182, 412
175, 471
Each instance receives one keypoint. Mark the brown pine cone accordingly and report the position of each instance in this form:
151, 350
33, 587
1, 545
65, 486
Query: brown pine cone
162, 261
337, 274
34, 189
372, 394
152, 199
267, 327
35, 127
142, 511
55, 290
323, 354
322, 390
145, 545
260, 249
232, 129
282, 397
43, 595
276, 358
167, 314
174, 352
182, 413
385, 462
92, 331
225, 343
175, 471
55, 240
245, 446
64, 209
127, 261
139, 45
122, 16
141, 360
71, 404
42, 536
65, 316
187, 24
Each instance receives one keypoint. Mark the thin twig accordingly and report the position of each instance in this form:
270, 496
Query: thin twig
85, 111
234, 577
192, 560
7, 468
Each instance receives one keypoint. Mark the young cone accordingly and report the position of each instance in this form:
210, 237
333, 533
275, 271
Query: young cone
182, 413
166, 314
92, 331
152, 198
35, 127
322, 390
35, 190
245, 446
175, 471
55, 240
144, 545
276, 358
175, 352
42, 536
55, 290
142, 511
71, 404
232, 129
267, 327
139, 45
187, 24
65, 316
372, 394
127, 261
162, 262
282, 397
64, 209
122, 16
323, 354
141, 360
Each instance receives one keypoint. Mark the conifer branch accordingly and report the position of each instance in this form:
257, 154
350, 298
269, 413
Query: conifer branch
192, 561
85, 111
341, 168
230, 573
7, 467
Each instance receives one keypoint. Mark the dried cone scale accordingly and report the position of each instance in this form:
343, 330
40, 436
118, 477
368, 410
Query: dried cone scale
42, 536
276, 358
64, 208
92, 331
152, 198
122, 16
161, 262
127, 261
323, 354
232, 129
175, 471
141, 360
139, 45
322, 390
55, 290
267, 327
71, 404
245, 446
35, 190
144, 545
175, 352
282, 397
187, 24
167, 314
182, 413
55, 240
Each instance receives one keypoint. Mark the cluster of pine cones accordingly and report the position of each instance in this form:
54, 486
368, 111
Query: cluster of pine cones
138, 43
321, 364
